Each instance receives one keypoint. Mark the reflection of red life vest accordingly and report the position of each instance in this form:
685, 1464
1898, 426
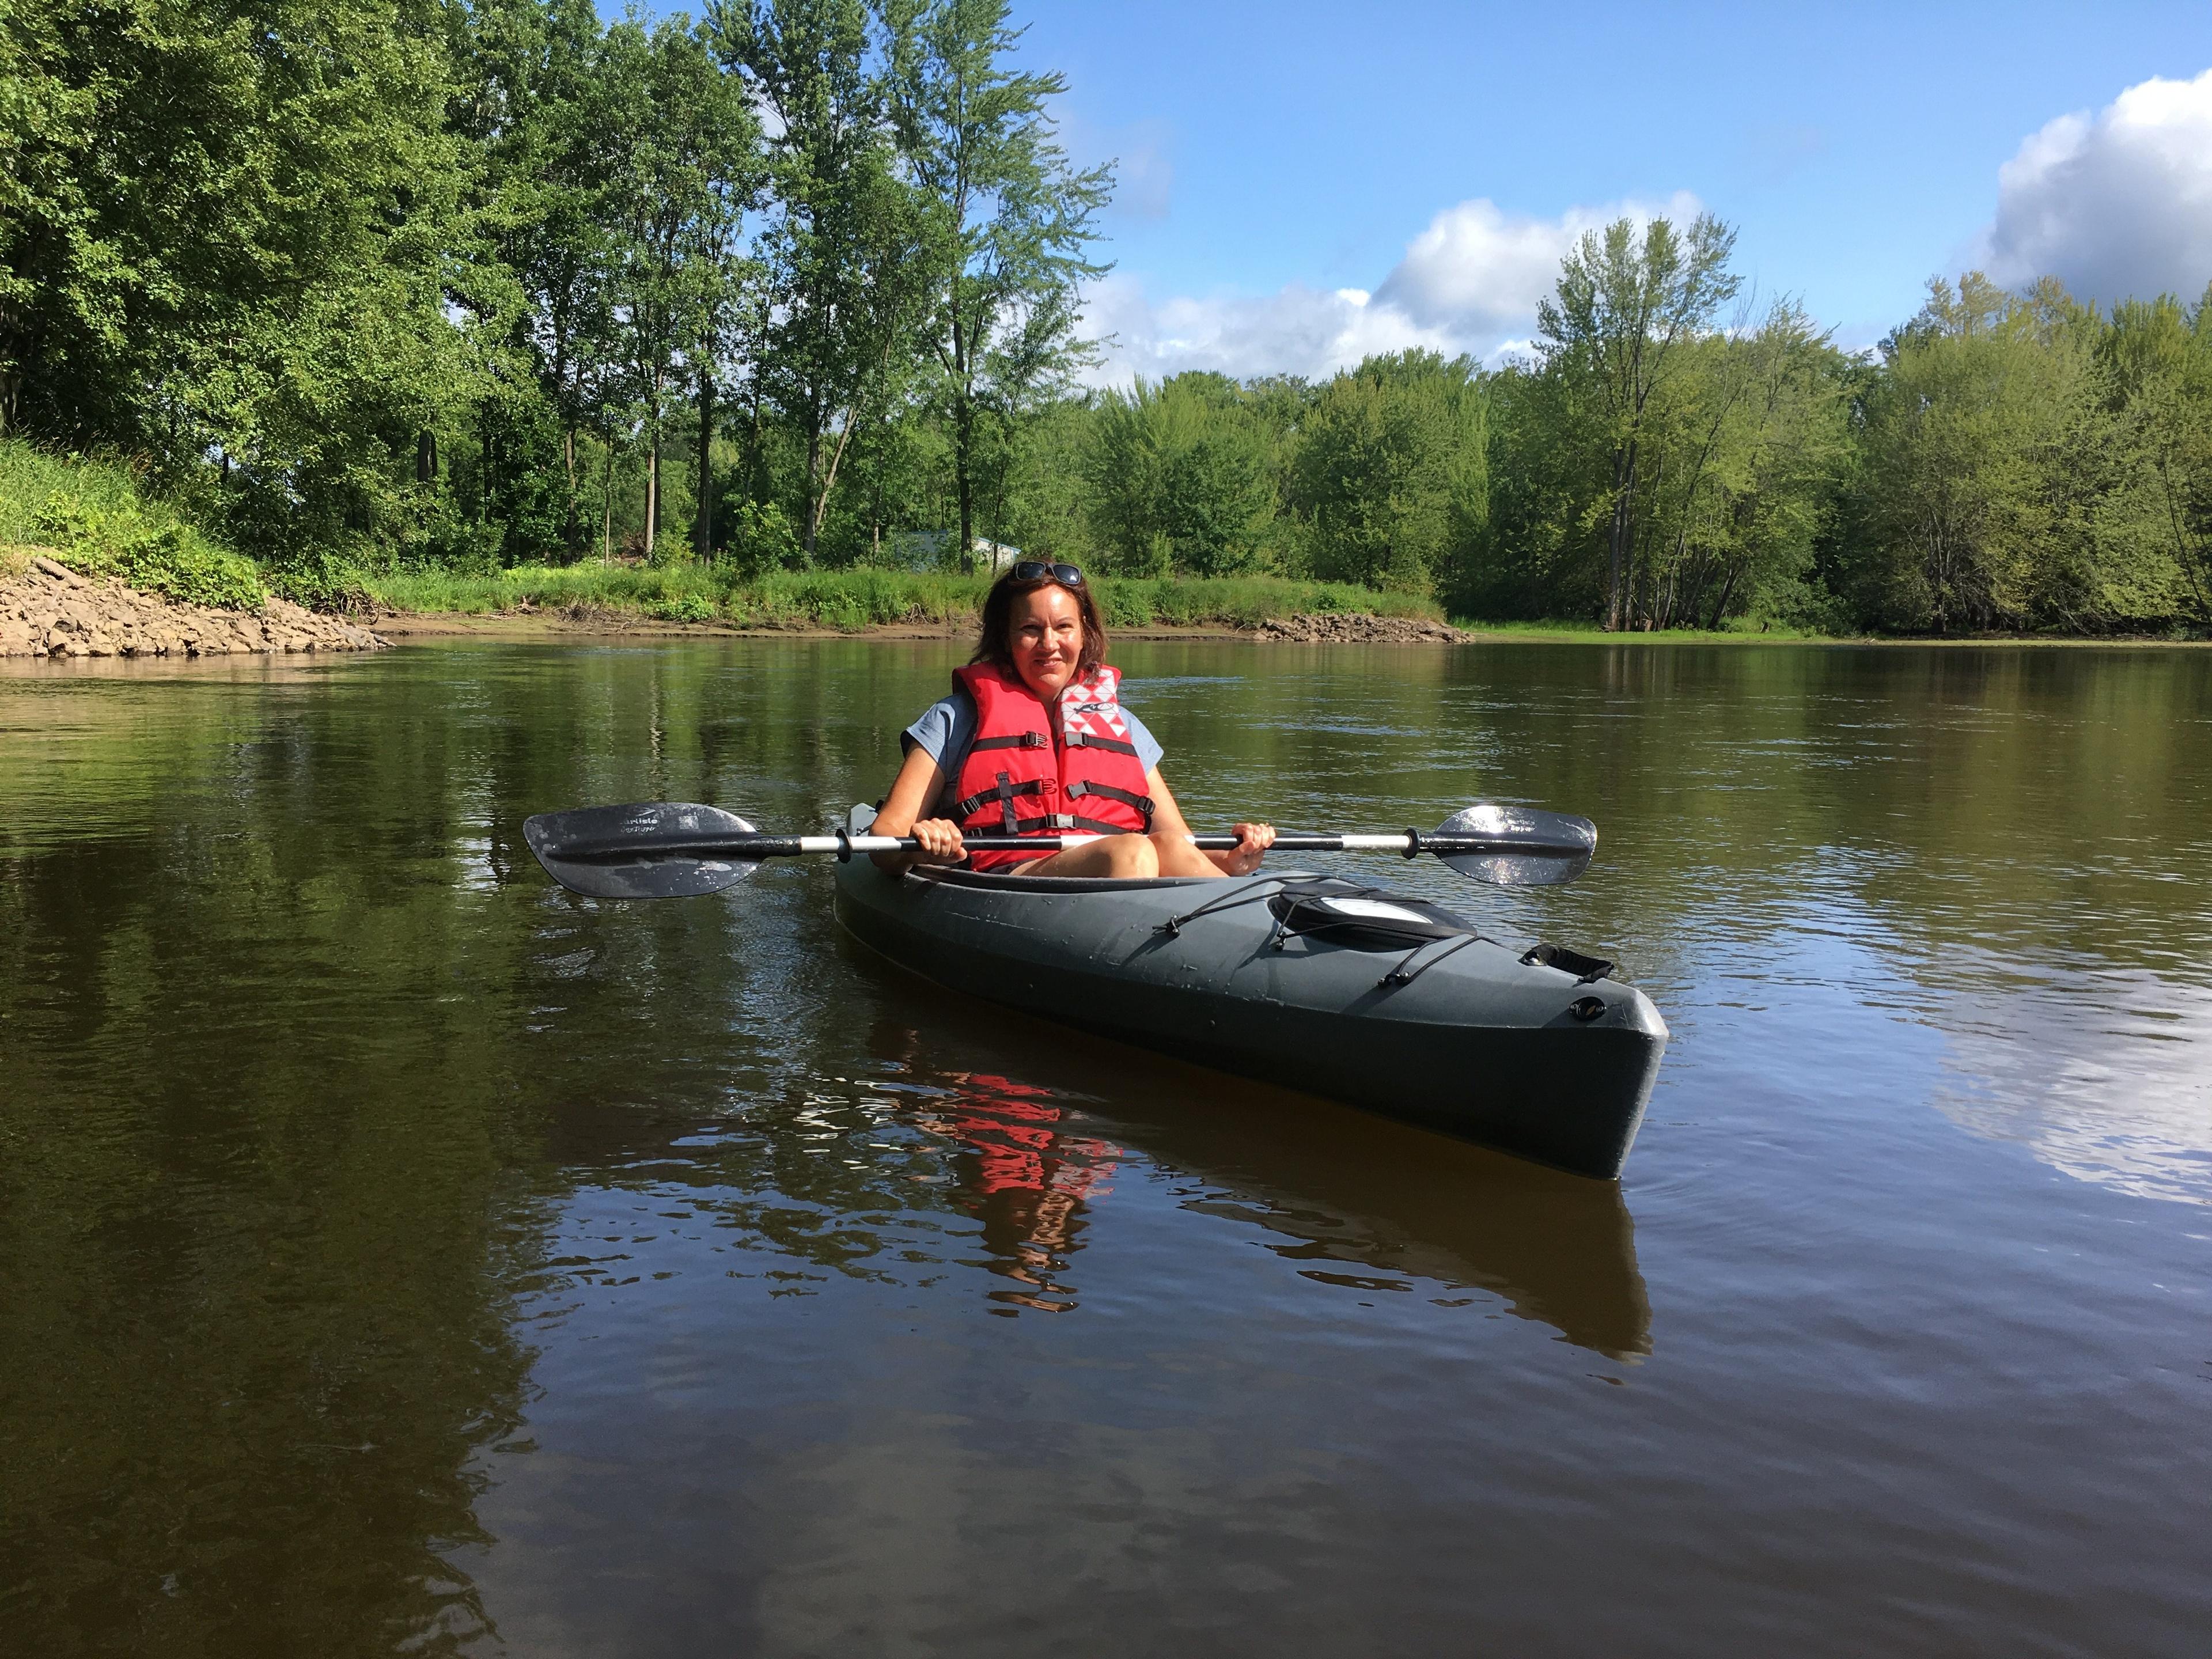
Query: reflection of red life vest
1021, 1144
1016, 781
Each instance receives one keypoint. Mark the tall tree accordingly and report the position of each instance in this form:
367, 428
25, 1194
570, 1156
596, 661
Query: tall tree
534, 104
1012, 218
1181, 477
2156, 364
1621, 307
1390, 471
686, 166
841, 252
224, 234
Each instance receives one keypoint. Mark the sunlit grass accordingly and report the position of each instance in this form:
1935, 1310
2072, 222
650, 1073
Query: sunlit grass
853, 599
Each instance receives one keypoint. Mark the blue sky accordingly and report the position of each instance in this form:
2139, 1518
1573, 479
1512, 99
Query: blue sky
1275, 154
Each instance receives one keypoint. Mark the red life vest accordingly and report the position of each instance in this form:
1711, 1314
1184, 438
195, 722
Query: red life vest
1015, 781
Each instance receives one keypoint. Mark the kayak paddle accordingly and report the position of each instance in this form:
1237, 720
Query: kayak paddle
670, 849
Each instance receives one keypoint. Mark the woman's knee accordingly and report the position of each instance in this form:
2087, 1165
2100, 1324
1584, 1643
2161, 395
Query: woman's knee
1174, 855
1134, 856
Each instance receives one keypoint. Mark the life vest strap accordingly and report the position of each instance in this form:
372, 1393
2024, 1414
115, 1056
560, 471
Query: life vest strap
1003, 791
1087, 740
1017, 740
1143, 803
1053, 822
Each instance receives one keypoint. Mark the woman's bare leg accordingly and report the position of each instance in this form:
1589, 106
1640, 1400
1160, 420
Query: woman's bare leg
1177, 857
1125, 856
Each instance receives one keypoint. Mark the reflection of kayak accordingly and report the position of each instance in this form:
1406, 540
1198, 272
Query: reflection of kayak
1323, 985
1351, 1201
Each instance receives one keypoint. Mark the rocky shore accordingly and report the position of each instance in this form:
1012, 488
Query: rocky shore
50, 610
1346, 629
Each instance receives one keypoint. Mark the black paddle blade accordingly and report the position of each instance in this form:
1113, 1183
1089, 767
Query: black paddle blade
1559, 847
586, 851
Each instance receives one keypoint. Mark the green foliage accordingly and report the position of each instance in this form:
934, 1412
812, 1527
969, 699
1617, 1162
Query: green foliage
1391, 471
1180, 477
97, 519
1008, 223
227, 242
440, 291
1614, 334
2026, 464
686, 608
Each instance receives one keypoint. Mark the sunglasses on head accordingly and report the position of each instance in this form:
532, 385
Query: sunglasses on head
1037, 570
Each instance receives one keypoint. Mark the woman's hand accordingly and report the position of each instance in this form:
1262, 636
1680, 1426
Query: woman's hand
1253, 841
940, 842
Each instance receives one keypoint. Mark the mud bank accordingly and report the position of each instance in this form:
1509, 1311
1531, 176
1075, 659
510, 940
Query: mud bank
49, 611
1350, 629
1331, 629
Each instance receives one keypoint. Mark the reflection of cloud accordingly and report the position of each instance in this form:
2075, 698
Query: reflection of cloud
1470, 283
2117, 203
2113, 1086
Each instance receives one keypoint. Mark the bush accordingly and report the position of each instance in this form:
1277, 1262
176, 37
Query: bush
687, 608
170, 559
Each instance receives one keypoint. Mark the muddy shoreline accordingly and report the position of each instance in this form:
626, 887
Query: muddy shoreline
48, 610
1333, 629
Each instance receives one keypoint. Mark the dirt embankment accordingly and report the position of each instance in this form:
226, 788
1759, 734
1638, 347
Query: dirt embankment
1331, 629
49, 611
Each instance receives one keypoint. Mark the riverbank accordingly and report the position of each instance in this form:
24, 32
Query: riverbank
850, 600
533, 624
530, 624
48, 610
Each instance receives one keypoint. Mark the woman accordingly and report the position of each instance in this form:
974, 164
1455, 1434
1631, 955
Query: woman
1034, 741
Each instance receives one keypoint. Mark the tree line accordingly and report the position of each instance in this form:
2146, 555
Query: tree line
467, 283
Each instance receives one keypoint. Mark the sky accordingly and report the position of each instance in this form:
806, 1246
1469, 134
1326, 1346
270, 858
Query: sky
1300, 183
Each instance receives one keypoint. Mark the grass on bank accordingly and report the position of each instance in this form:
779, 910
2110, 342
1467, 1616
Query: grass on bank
857, 598
94, 517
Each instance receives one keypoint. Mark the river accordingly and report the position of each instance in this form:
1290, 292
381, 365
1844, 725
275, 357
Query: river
404, 1255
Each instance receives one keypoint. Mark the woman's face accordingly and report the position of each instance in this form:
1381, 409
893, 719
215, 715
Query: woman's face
1046, 638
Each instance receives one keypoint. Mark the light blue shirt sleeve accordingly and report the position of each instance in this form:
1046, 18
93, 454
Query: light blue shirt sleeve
945, 729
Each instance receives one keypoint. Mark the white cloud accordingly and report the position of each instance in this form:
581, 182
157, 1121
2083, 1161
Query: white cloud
1299, 331
1480, 271
2116, 204
1469, 283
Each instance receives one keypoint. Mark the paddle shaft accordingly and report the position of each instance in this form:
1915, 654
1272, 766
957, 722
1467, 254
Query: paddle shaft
747, 848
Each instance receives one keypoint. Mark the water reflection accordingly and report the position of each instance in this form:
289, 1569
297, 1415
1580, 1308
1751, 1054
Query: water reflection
1355, 1201
2104, 1074
1019, 1171
383, 1224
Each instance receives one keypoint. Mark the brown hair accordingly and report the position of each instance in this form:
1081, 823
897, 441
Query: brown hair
992, 646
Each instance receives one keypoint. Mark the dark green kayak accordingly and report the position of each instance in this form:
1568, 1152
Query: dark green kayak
1314, 983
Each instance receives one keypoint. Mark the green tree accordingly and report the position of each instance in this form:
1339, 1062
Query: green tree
533, 103
1743, 447
843, 250
685, 167
1390, 471
1180, 477
1620, 310
1012, 220
227, 235
1955, 513
2156, 365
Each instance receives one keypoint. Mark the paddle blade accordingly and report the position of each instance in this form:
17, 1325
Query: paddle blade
606, 852
1538, 849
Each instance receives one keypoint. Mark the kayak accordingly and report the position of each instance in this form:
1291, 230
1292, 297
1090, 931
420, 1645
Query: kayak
1314, 983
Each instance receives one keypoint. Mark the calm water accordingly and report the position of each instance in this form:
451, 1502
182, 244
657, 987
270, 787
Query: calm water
404, 1256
